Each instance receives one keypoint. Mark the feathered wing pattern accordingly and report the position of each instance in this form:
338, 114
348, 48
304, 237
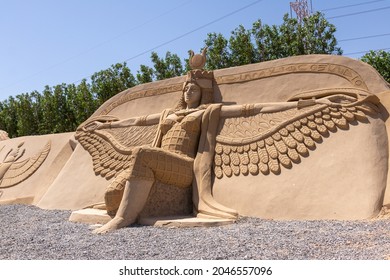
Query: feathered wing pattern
21, 170
268, 142
111, 149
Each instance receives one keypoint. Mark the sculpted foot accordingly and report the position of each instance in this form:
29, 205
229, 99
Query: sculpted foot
112, 225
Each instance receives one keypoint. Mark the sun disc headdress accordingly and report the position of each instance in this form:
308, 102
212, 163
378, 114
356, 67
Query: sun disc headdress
200, 77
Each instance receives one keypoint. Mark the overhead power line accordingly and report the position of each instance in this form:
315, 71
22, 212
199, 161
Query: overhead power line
194, 30
362, 12
100, 44
383, 49
187, 33
353, 5
365, 37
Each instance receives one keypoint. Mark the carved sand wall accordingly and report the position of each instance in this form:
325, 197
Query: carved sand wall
312, 161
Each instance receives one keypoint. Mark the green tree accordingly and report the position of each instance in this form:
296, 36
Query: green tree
81, 103
64, 118
27, 124
8, 117
318, 36
269, 42
315, 35
380, 60
37, 113
242, 50
145, 74
47, 123
168, 67
218, 53
106, 83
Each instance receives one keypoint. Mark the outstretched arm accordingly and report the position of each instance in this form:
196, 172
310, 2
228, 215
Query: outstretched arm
144, 120
135, 121
237, 110
256, 108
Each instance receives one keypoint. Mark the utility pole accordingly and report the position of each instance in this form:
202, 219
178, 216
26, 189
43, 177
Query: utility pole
301, 8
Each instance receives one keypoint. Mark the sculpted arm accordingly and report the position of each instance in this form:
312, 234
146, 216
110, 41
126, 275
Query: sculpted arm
256, 108
135, 121
237, 110
145, 120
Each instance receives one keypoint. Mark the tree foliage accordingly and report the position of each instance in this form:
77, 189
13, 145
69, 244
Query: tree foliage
218, 52
163, 68
380, 60
264, 42
107, 83
168, 67
8, 116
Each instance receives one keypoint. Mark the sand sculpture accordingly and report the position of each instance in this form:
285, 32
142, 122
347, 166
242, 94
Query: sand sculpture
297, 138
3, 135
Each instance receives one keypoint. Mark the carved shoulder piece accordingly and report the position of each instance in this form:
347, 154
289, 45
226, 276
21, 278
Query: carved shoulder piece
268, 142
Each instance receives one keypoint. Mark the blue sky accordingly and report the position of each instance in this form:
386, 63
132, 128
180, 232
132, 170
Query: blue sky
47, 42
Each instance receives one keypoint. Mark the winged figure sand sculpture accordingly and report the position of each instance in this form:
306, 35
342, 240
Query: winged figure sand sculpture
297, 138
185, 145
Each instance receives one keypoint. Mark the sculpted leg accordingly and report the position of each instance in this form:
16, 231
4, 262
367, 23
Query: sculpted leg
135, 194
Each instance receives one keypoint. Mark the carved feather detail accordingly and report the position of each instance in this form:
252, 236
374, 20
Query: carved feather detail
274, 145
111, 149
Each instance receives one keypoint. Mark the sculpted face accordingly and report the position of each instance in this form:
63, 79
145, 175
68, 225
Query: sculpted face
192, 95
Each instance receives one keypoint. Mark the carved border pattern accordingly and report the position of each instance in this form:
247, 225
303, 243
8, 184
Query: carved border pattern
329, 68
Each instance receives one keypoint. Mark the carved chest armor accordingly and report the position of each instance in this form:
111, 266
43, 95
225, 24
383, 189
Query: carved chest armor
182, 137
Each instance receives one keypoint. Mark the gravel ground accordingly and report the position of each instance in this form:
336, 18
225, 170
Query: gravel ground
28, 232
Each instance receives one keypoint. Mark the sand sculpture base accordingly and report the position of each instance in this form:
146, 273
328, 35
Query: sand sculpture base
97, 216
